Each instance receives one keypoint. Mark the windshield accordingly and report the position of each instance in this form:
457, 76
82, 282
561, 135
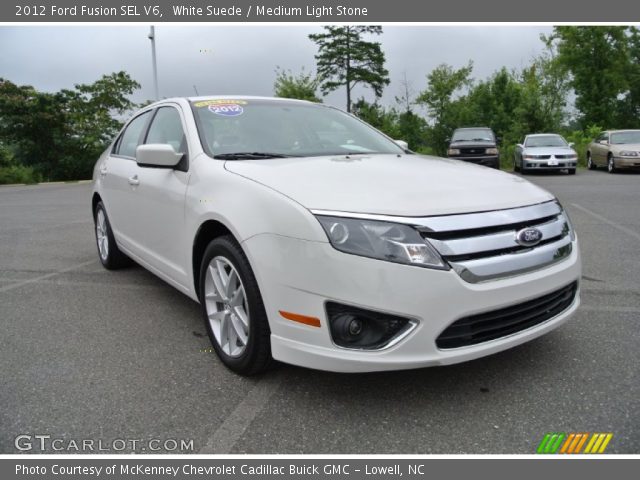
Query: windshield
632, 136
546, 141
271, 128
473, 135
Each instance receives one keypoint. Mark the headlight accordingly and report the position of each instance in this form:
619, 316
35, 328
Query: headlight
393, 242
572, 231
492, 151
628, 153
454, 151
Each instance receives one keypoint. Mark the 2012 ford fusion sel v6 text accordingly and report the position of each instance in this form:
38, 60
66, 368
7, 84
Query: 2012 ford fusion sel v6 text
311, 238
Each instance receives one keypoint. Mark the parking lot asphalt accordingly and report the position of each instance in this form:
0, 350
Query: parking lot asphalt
91, 354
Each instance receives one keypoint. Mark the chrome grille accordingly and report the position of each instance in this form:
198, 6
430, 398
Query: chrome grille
473, 151
483, 246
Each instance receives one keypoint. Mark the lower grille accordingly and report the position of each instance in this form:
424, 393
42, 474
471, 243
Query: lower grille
506, 321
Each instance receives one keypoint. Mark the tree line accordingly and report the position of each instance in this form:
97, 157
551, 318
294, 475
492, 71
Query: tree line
586, 79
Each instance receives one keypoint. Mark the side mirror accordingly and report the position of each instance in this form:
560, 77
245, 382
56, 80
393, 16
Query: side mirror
603, 142
520, 145
402, 144
571, 144
161, 155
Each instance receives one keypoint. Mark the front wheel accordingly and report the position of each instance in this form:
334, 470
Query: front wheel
516, 168
590, 164
110, 255
232, 308
611, 165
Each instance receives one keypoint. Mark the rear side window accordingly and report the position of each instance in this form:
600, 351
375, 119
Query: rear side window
132, 136
167, 128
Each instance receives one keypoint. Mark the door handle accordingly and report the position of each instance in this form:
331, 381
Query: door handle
134, 180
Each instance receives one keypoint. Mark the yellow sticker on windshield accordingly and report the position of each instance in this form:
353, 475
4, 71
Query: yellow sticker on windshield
219, 101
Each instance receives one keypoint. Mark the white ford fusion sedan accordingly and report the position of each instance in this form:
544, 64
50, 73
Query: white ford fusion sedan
311, 238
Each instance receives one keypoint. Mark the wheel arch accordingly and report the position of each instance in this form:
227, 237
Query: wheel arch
95, 199
208, 231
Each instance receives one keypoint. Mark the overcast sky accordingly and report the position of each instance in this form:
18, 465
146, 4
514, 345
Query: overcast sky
242, 59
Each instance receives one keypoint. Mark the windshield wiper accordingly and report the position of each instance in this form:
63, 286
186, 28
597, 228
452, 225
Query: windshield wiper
248, 156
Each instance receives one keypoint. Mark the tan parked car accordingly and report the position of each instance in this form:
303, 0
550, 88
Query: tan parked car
615, 149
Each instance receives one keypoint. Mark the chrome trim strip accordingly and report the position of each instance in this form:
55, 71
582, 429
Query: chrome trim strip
445, 223
483, 269
497, 241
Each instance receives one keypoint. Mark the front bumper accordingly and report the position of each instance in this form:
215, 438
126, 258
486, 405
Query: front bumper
559, 164
627, 162
487, 160
301, 276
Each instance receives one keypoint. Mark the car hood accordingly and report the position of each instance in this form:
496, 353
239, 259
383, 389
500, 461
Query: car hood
618, 147
407, 185
548, 150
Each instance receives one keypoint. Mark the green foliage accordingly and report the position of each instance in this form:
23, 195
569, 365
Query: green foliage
301, 87
600, 60
581, 139
345, 59
443, 84
397, 125
60, 135
12, 172
18, 174
385, 120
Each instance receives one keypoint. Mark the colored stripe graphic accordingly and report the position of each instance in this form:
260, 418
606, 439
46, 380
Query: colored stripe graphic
572, 443
598, 443
551, 442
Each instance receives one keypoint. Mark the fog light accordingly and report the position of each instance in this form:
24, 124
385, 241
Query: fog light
356, 328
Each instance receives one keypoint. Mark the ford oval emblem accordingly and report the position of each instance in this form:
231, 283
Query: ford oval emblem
528, 237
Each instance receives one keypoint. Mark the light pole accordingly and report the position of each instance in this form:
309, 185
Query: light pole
152, 37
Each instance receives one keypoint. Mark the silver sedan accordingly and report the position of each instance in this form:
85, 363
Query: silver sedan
545, 151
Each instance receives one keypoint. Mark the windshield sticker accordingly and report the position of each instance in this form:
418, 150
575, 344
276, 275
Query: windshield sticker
220, 101
227, 109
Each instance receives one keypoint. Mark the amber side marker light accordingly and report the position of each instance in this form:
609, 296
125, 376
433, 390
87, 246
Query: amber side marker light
295, 317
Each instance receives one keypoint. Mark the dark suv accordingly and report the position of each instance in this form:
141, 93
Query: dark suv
476, 145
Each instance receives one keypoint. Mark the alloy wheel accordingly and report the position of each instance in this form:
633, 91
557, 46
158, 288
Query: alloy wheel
101, 235
226, 306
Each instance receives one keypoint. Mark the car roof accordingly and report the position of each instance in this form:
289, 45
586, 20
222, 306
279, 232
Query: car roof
622, 131
203, 98
543, 135
473, 128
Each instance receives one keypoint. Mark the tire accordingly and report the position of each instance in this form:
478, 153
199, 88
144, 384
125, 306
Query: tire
524, 171
590, 163
571, 171
232, 308
611, 165
516, 168
108, 252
